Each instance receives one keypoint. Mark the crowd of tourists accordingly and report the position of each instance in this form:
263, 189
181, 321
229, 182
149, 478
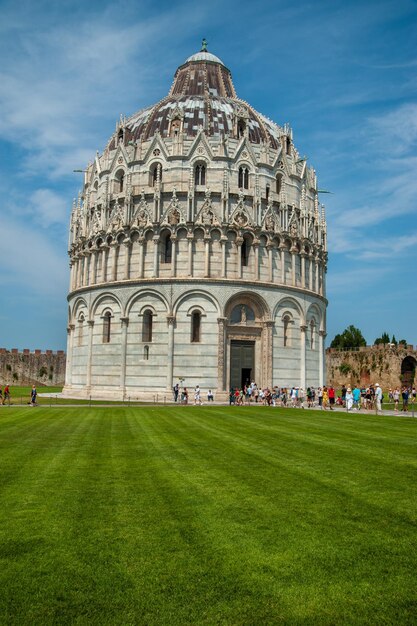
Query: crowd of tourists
325, 398
357, 398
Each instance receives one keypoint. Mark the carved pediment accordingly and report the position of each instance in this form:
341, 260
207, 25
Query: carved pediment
141, 216
207, 216
116, 220
270, 221
174, 214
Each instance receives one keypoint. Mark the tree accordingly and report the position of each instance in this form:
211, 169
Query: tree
402, 342
383, 339
350, 338
394, 341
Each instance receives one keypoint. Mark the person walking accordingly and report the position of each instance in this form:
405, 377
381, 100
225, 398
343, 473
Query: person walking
6, 395
325, 399
332, 394
349, 399
378, 398
405, 396
33, 395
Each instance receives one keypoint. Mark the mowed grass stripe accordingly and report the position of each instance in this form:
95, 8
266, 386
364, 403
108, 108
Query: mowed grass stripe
186, 515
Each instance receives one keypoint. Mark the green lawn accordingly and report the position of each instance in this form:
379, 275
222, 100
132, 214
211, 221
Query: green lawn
206, 515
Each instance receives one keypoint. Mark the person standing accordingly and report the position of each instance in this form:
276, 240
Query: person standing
356, 397
378, 398
176, 390
405, 399
396, 397
33, 395
320, 396
325, 399
331, 393
197, 395
349, 399
6, 394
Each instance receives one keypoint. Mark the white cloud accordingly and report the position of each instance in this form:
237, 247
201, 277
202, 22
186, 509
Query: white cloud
29, 261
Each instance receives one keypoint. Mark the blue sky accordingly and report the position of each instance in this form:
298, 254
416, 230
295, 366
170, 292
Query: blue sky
344, 75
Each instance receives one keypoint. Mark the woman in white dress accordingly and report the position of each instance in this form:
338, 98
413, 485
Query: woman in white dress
349, 399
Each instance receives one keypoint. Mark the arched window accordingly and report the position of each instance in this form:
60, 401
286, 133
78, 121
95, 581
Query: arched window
200, 174
120, 136
80, 329
241, 127
196, 327
244, 252
287, 330
147, 326
106, 327
243, 178
267, 194
155, 174
119, 181
166, 248
288, 144
312, 335
278, 183
146, 353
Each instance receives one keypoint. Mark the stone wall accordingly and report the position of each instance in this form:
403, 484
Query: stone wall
387, 365
28, 368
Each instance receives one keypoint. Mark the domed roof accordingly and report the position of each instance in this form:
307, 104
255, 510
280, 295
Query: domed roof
203, 55
202, 97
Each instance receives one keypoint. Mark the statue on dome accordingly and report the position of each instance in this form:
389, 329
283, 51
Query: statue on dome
204, 45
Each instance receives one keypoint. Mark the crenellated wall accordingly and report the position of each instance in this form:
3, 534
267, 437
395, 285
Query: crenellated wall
28, 368
388, 365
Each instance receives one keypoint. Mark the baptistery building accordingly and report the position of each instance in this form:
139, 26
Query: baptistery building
197, 250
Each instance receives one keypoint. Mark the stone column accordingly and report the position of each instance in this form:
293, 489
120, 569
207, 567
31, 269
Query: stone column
155, 256
190, 238
223, 242
239, 242
114, 254
170, 356
303, 269
72, 271
293, 252
68, 370
87, 257
317, 286
303, 329
283, 247
321, 278
221, 354
207, 257
141, 243
310, 272
268, 353
104, 255
256, 264
174, 256
76, 270
322, 361
127, 245
270, 248
93, 273
123, 350
90, 324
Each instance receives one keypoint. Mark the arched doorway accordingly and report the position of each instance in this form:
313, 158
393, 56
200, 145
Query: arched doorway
248, 342
408, 370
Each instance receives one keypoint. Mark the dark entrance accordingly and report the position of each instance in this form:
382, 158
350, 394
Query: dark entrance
242, 363
408, 370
